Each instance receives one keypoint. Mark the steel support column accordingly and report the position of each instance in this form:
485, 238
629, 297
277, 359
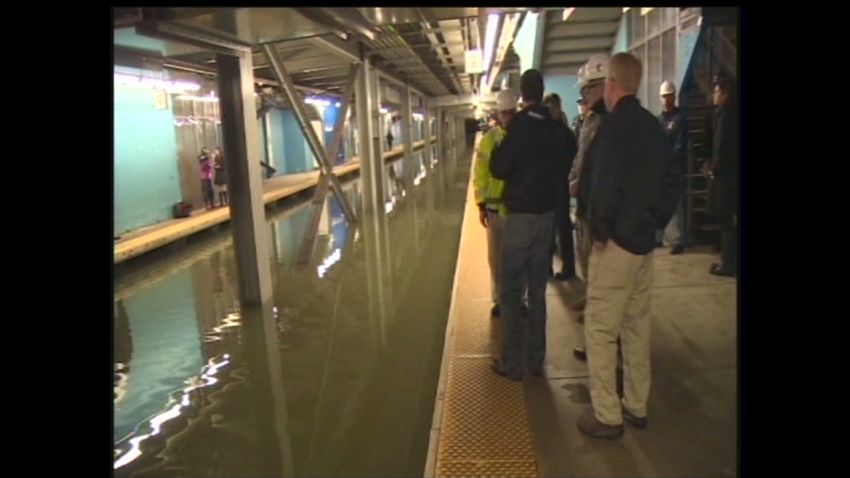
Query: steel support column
407, 140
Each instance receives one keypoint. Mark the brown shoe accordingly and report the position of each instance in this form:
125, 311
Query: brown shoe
590, 425
634, 420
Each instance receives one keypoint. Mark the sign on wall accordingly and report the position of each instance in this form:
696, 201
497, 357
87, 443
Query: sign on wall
160, 99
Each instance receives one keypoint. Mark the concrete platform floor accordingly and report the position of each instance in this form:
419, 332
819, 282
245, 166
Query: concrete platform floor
693, 401
693, 410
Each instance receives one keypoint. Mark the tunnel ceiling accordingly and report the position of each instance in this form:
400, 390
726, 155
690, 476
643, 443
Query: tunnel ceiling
422, 46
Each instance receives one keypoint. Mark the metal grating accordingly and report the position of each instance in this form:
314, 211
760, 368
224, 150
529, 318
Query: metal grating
484, 429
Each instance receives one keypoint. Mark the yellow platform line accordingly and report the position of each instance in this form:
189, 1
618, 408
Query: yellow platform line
480, 423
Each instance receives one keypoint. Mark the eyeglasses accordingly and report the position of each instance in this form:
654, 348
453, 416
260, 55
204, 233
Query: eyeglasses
587, 88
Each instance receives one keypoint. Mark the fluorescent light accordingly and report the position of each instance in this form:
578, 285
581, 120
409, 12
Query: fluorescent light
131, 80
644, 11
567, 12
490, 38
208, 99
317, 101
626, 9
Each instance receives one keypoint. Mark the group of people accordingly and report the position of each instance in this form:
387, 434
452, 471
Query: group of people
625, 168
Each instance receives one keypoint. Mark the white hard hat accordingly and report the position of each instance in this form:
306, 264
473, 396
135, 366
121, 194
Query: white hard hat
506, 99
668, 88
581, 81
596, 68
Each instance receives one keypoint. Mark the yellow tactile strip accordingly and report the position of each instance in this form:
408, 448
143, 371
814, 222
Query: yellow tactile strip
485, 429
483, 426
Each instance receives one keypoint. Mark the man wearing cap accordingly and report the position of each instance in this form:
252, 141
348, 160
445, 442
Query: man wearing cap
672, 119
488, 191
591, 77
532, 162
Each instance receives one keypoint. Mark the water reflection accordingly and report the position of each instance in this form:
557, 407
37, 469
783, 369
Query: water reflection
338, 381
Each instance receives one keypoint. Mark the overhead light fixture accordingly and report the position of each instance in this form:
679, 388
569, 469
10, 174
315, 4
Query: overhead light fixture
567, 12
316, 101
644, 11
173, 86
207, 99
626, 9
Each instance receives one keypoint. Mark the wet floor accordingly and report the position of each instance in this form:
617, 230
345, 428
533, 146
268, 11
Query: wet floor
341, 382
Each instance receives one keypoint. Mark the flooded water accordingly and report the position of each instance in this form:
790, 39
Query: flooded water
342, 384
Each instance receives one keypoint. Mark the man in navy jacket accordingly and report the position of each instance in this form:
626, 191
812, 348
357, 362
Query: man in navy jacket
635, 184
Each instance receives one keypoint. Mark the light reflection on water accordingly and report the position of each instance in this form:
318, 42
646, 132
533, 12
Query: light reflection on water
359, 331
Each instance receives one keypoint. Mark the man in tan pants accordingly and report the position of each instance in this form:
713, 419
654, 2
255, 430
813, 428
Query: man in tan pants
634, 188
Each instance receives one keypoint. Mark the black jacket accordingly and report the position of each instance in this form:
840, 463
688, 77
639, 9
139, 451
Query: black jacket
584, 175
675, 125
725, 159
725, 143
534, 159
635, 182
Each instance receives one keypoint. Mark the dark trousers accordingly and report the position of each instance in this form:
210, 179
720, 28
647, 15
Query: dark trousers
729, 247
207, 189
564, 232
727, 205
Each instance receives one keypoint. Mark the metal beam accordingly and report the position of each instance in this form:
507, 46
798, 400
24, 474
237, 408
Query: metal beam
313, 140
406, 116
217, 42
308, 243
366, 130
264, 109
345, 104
346, 50
174, 64
428, 149
308, 65
390, 78
239, 127
458, 100
344, 19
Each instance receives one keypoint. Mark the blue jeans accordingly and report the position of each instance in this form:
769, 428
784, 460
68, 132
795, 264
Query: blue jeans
526, 255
